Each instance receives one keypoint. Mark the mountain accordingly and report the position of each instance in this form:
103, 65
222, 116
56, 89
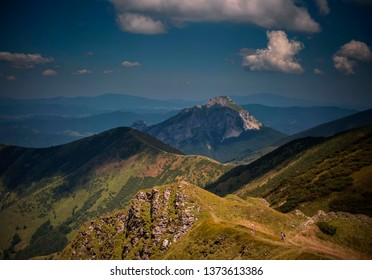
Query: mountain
274, 100
45, 131
220, 129
330, 128
183, 221
88, 105
310, 174
46, 194
23, 136
293, 120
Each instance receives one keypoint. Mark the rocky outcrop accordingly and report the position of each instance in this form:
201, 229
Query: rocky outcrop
154, 221
219, 100
322, 216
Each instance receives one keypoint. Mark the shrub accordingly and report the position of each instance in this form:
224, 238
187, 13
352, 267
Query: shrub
326, 228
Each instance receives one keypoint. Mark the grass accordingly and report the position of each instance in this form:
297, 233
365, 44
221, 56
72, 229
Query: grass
333, 175
223, 231
72, 200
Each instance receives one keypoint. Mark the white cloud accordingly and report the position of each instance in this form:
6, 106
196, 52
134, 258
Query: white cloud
137, 23
278, 56
318, 71
11, 78
49, 73
347, 57
89, 53
323, 6
152, 16
82, 72
23, 60
131, 64
108, 71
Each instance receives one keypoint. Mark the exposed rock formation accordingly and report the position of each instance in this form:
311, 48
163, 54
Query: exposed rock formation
154, 220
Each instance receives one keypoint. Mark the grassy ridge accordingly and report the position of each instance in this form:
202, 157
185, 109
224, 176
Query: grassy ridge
222, 230
241, 175
76, 190
332, 176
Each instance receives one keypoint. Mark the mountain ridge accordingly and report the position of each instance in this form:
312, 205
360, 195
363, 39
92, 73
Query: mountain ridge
46, 194
309, 174
363, 118
183, 221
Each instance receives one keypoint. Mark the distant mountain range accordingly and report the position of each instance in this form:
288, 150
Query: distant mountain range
274, 100
293, 120
88, 105
54, 121
220, 129
46, 131
359, 119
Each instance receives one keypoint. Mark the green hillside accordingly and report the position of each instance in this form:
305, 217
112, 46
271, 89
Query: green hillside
333, 175
240, 175
46, 194
182, 221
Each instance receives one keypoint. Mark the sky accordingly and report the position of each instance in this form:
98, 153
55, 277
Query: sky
317, 49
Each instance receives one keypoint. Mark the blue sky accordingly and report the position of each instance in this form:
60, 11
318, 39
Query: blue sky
316, 49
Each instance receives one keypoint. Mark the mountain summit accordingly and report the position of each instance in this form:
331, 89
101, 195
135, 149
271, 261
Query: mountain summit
220, 100
249, 122
220, 129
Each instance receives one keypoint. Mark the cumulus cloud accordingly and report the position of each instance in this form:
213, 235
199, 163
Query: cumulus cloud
278, 56
347, 57
137, 23
11, 78
131, 64
153, 16
318, 71
23, 60
323, 6
82, 72
49, 73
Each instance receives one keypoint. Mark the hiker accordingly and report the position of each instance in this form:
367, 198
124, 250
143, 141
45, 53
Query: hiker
283, 235
252, 229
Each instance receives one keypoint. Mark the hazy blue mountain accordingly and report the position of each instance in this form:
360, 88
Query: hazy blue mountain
269, 99
292, 120
27, 137
87, 105
328, 129
45, 131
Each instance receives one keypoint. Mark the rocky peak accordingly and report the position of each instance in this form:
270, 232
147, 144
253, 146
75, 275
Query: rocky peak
249, 122
219, 100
